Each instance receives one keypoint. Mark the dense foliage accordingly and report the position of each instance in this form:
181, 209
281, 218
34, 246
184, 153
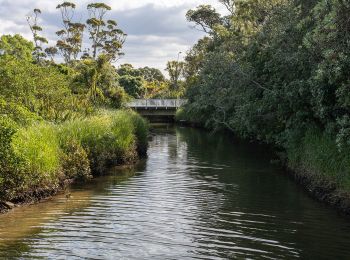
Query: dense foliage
149, 82
276, 71
60, 121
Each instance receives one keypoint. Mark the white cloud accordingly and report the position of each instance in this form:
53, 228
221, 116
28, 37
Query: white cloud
130, 4
157, 29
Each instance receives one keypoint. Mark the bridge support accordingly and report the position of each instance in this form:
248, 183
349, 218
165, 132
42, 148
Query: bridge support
159, 115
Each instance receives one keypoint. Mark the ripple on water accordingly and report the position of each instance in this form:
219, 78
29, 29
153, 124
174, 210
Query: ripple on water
192, 199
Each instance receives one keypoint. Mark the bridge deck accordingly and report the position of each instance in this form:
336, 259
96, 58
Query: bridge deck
156, 103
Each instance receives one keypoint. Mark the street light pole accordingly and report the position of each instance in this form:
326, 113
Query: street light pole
178, 56
177, 69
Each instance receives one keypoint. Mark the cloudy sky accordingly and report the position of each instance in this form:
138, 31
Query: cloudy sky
157, 29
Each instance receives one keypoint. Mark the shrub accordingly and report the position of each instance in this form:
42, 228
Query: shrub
17, 112
43, 90
8, 128
181, 115
116, 97
8, 162
75, 161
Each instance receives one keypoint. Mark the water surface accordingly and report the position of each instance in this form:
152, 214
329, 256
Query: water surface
197, 196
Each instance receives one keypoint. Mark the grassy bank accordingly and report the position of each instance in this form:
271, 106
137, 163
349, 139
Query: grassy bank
322, 167
317, 154
37, 157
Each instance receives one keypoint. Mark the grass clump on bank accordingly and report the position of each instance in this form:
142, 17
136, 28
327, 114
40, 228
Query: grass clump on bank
107, 138
42, 155
318, 157
141, 127
38, 147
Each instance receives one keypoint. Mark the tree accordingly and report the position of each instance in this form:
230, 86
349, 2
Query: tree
71, 36
130, 80
151, 74
156, 89
106, 37
143, 82
127, 69
196, 57
32, 20
132, 85
176, 72
205, 17
113, 41
17, 47
98, 82
41, 89
230, 5
51, 52
284, 70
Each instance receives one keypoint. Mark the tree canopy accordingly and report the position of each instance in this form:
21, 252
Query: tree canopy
271, 70
17, 47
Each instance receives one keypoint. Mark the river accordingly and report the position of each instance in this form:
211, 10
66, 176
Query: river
197, 196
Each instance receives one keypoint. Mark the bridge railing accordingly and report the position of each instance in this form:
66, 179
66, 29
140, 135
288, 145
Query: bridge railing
157, 103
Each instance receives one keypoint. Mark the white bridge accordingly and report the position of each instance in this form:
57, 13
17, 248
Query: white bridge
156, 103
157, 109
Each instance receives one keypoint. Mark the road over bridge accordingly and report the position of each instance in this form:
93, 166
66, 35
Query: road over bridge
157, 110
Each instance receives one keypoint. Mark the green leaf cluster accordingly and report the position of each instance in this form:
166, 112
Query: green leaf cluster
273, 71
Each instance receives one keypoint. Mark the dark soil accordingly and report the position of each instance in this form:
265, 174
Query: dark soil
323, 190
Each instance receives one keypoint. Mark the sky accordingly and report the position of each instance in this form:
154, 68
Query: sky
157, 29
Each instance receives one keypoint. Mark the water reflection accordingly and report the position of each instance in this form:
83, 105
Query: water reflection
197, 196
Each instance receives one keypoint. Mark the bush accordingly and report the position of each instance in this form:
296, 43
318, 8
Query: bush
181, 115
18, 113
116, 97
8, 161
75, 162
8, 128
42, 90
16, 173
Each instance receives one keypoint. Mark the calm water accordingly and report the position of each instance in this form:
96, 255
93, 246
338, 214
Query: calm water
197, 196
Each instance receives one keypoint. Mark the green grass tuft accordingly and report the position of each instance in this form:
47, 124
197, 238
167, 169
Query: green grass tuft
43, 154
319, 157
38, 146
